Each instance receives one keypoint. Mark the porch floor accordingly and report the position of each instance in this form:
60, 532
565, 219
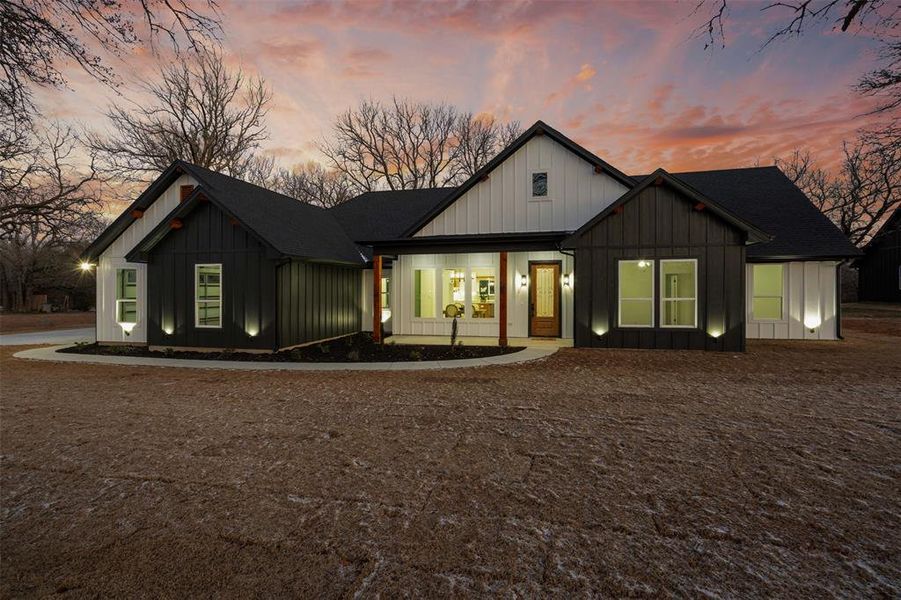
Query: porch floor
427, 340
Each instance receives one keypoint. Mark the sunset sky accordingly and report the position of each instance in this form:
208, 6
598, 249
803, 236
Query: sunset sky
625, 79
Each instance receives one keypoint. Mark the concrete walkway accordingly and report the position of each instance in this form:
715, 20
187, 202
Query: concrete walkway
50, 354
61, 336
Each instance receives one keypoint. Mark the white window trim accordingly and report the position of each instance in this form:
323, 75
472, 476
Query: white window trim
467, 291
197, 301
119, 301
619, 297
550, 189
784, 318
663, 300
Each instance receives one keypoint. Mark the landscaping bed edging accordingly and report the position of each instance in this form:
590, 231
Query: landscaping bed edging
50, 354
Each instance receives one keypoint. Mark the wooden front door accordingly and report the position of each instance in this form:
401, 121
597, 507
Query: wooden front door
544, 299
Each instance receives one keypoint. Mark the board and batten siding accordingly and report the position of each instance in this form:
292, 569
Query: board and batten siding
113, 258
248, 285
504, 204
657, 224
402, 299
317, 301
809, 291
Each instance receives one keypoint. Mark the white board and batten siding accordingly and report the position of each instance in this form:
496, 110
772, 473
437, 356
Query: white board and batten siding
808, 294
402, 300
113, 258
504, 203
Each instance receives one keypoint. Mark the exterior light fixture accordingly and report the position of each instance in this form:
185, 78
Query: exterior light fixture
168, 330
715, 333
567, 279
600, 331
644, 264
523, 281
85, 266
127, 327
252, 331
811, 322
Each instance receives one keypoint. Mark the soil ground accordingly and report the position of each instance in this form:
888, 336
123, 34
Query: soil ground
27, 322
773, 473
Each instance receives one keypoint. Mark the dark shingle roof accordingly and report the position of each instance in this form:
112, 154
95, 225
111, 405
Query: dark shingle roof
290, 226
375, 216
767, 198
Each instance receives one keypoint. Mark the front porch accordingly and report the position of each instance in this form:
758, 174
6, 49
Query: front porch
471, 340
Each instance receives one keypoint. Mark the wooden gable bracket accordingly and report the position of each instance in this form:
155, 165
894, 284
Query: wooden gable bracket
700, 206
598, 169
176, 223
539, 131
485, 177
234, 221
618, 210
137, 213
659, 181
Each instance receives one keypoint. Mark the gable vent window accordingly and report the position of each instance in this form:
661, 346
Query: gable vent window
539, 184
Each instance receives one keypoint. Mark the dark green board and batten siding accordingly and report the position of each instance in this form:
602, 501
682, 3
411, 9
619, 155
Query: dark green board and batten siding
262, 305
661, 223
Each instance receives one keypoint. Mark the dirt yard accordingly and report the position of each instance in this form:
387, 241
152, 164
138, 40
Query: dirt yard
26, 322
613, 473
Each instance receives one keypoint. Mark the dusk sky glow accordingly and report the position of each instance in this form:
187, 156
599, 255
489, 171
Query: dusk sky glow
625, 79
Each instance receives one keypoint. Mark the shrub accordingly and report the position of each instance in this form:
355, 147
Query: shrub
415, 355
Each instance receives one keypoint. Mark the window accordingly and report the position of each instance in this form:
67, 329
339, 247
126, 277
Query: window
385, 297
453, 291
678, 293
208, 295
424, 293
127, 295
636, 293
766, 304
483, 293
539, 184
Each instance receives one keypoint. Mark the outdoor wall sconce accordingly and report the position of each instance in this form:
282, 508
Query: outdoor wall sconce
523, 281
85, 266
566, 280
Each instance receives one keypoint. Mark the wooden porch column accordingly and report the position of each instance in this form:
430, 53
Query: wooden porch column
502, 309
377, 299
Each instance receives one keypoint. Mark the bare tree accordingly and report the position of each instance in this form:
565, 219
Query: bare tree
258, 169
199, 111
881, 18
37, 36
478, 139
866, 190
46, 204
410, 145
314, 184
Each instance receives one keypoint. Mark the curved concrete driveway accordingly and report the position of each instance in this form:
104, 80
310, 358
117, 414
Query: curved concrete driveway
51, 354
61, 336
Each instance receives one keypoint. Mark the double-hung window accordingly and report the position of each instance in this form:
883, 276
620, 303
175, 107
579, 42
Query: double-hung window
767, 294
127, 295
636, 293
678, 293
208, 295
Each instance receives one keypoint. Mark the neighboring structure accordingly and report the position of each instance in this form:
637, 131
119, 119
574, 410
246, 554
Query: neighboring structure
547, 240
879, 270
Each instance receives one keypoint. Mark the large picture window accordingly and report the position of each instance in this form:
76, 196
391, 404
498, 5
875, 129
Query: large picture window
483, 292
208, 295
453, 291
424, 293
766, 304
678, 293
636, 293
127, 295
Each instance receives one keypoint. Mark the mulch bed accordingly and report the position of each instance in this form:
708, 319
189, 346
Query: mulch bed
355, 348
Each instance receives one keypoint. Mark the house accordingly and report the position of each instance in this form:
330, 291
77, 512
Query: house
879, 269
546, 240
